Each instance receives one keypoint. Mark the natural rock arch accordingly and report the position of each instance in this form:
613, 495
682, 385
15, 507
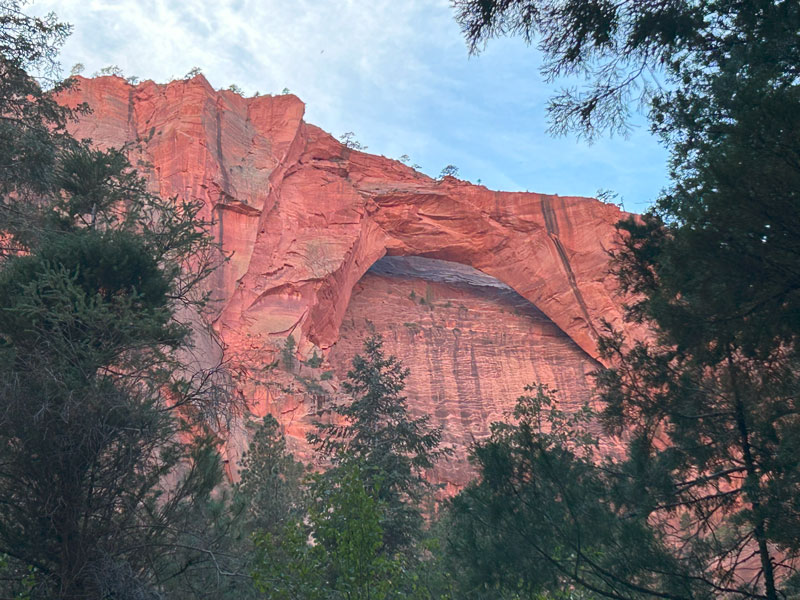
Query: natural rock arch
304, 216
337, 212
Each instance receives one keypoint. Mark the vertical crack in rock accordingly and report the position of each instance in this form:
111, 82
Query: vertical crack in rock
131, 124
226, 184
551, 224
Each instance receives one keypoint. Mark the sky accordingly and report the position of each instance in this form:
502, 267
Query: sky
397, 73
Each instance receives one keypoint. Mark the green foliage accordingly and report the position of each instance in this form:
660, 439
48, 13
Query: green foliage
211, 553
406, 160
265, 504
33, 128
346, 523
326, 376
349, 140
541, 517
98, 193
311, 385
20, 582
708, 405
391, 449
721, 462
97, 484
722, 381
193, 72
112, 70
270, 479
678, 515
82, 285
448, 171
287, 353
429, 576
338, 554
622, 50
235, 89
96, 183
288, 566
315, 361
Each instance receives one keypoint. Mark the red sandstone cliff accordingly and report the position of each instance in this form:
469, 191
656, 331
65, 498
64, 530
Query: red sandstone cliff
304, 217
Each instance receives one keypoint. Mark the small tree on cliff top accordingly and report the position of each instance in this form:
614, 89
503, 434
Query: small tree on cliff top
448, 171
349, 140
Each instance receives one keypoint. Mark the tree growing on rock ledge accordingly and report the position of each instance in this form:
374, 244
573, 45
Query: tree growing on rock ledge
448, 171
349, 140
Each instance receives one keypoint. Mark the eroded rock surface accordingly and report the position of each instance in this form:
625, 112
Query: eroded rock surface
304, 217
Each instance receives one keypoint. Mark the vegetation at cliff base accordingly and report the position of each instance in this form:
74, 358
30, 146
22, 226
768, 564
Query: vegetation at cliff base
391, 449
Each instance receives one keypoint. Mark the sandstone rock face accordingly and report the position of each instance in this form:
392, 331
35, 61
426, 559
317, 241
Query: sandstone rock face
303, 218
472, 345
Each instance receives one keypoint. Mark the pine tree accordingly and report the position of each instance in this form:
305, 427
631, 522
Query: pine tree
392, 449
708, 407
97, 480
271, 479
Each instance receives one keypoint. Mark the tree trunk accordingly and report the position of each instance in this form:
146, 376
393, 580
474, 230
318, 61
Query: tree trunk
752, 484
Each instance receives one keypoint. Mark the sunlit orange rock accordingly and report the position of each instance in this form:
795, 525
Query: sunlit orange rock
303, 218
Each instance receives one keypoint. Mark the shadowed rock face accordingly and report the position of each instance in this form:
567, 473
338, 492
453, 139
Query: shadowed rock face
304, 217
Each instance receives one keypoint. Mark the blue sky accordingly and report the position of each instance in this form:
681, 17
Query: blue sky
397, 73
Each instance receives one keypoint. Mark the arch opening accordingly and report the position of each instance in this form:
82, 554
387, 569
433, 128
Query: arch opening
470, 341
